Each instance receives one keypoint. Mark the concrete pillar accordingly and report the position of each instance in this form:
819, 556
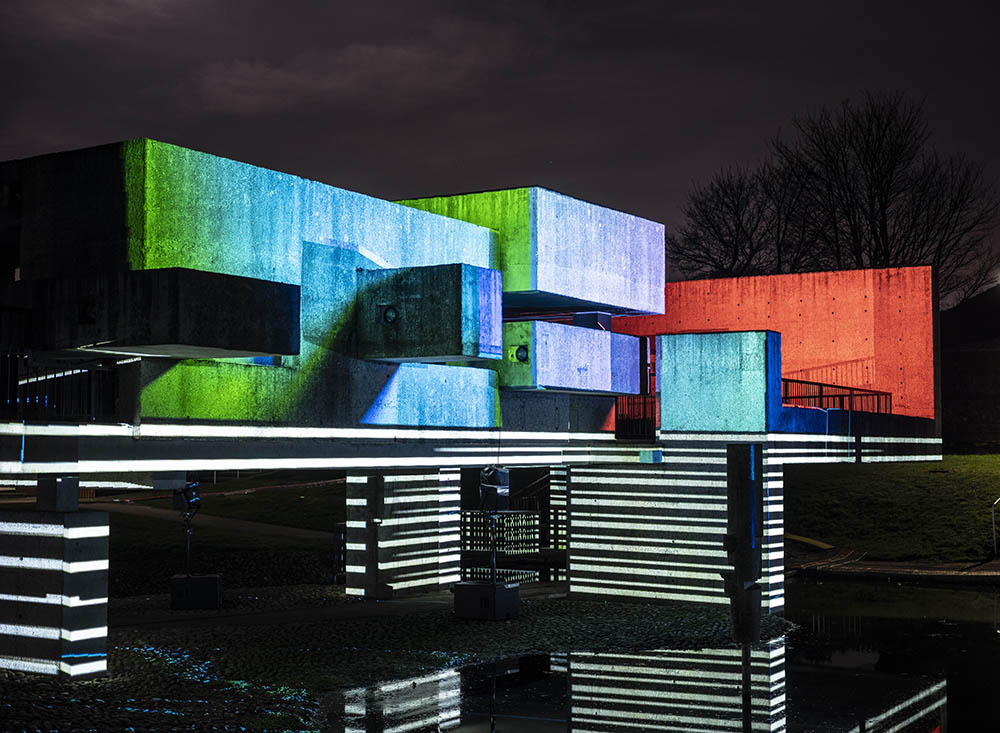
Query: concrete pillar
54, 587
403, 532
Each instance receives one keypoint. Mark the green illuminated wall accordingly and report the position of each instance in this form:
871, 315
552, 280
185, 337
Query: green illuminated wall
509, 214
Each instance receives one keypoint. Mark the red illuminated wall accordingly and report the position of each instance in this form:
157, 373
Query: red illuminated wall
857, 328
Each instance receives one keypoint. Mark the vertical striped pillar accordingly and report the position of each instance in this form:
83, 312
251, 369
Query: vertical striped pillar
690, 690
54, 592
403, 532
655, 531
558, 518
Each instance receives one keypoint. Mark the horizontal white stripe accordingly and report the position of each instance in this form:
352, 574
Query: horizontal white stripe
45, 563
670, 596
35, 632
898, 459
79, 533
75, 670
29, 665
53, 599
96, 632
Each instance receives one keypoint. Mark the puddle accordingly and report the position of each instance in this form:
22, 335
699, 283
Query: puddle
850, 666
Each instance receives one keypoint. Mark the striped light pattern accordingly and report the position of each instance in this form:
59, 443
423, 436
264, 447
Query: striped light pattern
558, 516
655, 531
403, 532
904, 714
694, 690
54, 599
430, 702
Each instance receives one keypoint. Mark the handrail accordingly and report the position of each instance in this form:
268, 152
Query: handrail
993, 511
806, 393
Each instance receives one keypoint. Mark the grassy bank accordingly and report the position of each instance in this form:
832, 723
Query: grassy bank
933, 512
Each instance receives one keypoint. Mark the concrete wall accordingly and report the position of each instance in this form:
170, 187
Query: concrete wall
857, 328
166, 312
713, 381
435, 313
569, 358
403, 532
555, 250
54, 592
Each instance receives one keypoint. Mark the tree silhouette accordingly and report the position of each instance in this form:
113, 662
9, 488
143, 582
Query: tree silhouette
859, 186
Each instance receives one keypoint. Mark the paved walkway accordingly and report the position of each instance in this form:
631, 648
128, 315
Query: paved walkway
846, 564
278, 612
243, 526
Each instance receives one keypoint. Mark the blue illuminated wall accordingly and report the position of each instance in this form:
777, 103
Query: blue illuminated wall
565, 357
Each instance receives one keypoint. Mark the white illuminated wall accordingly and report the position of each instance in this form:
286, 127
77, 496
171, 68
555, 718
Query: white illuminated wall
655, 531
403, 532
54, 592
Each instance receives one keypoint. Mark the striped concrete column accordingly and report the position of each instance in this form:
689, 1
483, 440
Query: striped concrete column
655, 531
403, 532
676, 690
54, 592
558, 518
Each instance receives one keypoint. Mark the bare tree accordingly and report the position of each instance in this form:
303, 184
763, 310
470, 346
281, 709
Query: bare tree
858, 186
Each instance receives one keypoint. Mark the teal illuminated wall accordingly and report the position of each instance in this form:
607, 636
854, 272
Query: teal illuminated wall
714, 381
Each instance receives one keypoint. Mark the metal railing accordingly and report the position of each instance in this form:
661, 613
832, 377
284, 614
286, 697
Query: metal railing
993, 511
517, 532
802, 393
56, 392
635, 416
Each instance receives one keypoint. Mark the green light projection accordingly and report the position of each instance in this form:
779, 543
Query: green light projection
510, 213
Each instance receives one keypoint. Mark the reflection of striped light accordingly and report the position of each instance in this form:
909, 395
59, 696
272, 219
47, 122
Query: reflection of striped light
428, 702
676, 690
938, 698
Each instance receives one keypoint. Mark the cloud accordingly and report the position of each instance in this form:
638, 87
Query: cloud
450, 55
85, 21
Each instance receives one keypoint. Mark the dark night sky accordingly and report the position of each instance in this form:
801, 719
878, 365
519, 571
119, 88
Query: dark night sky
621, 103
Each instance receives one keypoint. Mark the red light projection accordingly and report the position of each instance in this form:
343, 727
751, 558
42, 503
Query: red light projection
856, 328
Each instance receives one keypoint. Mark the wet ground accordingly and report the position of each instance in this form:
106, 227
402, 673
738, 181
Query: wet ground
865, 656
862, 658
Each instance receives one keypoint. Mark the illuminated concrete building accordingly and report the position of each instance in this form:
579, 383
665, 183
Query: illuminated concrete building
166, 310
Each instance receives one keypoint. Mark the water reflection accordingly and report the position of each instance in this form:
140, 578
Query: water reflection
643, 691
677, 690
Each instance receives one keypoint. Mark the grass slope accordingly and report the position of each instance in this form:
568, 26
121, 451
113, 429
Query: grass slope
934, 512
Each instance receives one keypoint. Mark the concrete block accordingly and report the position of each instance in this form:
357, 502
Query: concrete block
195, 591
432, 314
715, 381
558, 251
544, 355
58, 494
171, 312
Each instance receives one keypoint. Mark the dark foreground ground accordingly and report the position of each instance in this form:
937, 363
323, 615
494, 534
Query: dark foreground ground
268, 660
